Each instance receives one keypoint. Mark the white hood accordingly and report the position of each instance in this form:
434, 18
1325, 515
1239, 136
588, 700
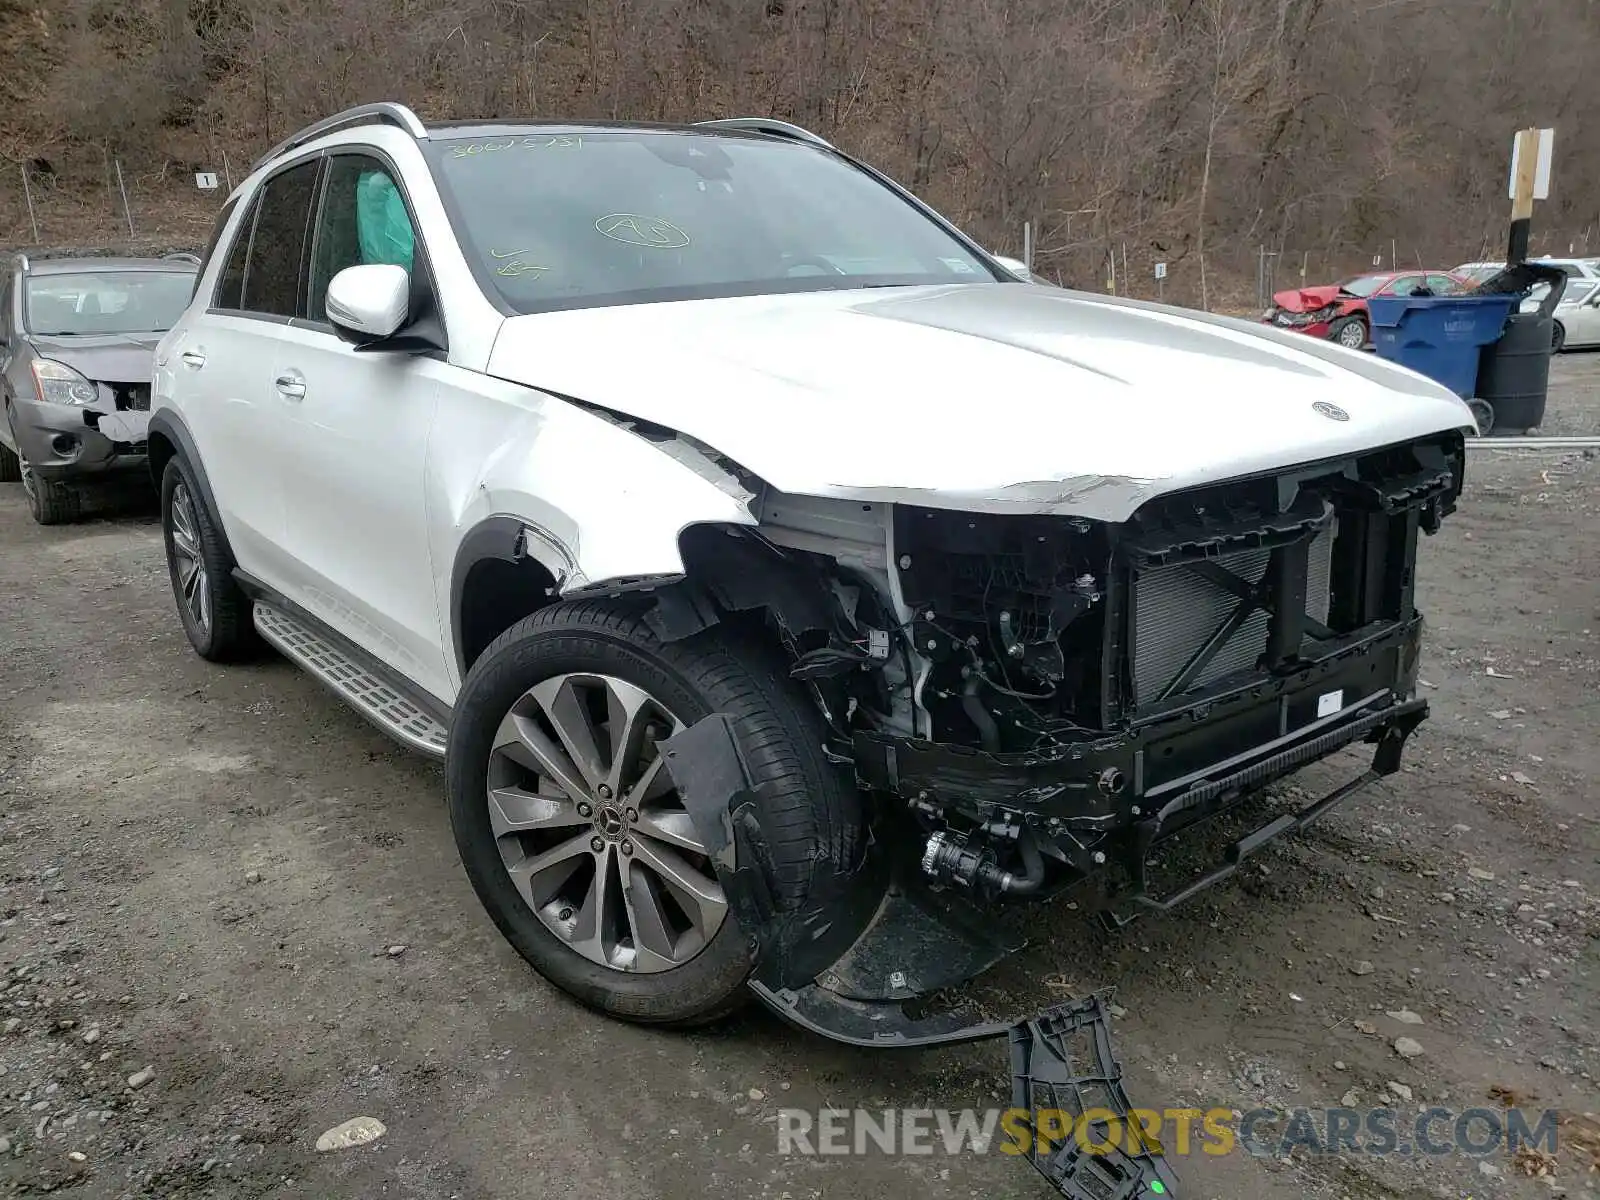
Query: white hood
979, 397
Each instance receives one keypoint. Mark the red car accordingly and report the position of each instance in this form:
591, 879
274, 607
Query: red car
1338, 311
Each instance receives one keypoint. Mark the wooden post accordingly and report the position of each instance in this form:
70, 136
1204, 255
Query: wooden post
27, 192
1522, 200
127, 211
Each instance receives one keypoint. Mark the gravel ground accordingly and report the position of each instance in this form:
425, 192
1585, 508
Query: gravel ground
231, 917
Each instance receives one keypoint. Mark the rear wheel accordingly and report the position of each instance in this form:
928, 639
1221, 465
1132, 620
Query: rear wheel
573, 834
1558, 338
214, 611
1349, 332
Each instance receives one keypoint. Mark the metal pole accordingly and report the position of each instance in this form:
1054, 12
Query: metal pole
1027, 244
1394, 257
28, 194
1161, 289
226, 173
1125, 276
126, 210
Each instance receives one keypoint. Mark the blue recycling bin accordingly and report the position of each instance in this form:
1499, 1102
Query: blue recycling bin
1441, 337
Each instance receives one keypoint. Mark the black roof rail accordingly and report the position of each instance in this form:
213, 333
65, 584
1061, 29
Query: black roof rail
383, 113
768, 125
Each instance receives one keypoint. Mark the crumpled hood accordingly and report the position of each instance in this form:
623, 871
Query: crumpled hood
104, 358
1308, 299
983, 397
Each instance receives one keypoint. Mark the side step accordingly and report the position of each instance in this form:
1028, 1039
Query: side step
351, 681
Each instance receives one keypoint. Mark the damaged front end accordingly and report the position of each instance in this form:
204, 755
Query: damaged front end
1032, 700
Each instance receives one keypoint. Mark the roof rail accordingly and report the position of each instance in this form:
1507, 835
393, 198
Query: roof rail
383, 113
183, 256
768, 125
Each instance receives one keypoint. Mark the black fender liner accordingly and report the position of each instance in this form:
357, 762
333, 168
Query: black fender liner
170, 425
497, 537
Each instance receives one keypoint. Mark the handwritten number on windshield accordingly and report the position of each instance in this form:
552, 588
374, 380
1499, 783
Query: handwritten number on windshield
557, 141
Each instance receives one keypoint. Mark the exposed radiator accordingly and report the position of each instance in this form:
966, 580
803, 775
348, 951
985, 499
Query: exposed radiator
1176, 611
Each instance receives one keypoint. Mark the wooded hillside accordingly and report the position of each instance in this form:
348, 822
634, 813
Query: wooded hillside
1190, 131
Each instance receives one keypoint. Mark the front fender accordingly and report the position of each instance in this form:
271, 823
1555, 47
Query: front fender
527, 475
603, 503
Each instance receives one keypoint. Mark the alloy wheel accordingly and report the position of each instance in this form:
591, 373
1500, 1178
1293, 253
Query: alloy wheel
591, 829
188, 561
1353, 336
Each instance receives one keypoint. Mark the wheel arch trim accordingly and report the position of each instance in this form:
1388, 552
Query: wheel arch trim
503, 538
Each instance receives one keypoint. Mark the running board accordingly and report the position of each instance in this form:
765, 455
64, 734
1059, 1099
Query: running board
353, 682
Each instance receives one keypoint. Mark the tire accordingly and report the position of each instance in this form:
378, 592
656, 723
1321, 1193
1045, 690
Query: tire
1483, 414
1558, 338
214, 611
811, 812
1349, 332
51, 503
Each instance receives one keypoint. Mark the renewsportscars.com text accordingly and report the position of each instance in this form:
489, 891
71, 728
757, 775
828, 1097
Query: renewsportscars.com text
1178, 1132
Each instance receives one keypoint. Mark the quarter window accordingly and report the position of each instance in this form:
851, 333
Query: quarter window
230, 291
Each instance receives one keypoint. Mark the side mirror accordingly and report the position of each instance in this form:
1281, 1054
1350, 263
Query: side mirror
1016, 266
369, 302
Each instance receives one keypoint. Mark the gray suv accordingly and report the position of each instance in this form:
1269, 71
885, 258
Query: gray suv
77, 336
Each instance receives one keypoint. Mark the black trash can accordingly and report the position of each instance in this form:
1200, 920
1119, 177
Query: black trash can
1514, 372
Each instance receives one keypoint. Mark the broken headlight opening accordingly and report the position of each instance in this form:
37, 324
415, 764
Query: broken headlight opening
1030, 701
1326, 313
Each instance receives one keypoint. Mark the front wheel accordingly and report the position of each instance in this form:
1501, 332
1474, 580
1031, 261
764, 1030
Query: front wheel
1483, 414
1351, 333
51, 503
573, 834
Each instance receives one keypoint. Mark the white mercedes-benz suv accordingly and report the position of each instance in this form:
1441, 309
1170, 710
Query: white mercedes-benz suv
784, 582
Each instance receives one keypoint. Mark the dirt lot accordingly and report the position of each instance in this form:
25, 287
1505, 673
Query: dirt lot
208, 872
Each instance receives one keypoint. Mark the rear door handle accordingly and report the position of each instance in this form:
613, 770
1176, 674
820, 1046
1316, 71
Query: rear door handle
194, 358
291, 387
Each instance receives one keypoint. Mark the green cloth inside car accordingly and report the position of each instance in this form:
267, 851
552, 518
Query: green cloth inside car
381, 222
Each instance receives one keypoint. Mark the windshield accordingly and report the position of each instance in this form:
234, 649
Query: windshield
616, 217
1363, 285
106, 302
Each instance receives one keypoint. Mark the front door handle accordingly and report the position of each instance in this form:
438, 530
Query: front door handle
291, 387
194, 358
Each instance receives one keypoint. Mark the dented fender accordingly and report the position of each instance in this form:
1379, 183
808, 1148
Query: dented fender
596, 503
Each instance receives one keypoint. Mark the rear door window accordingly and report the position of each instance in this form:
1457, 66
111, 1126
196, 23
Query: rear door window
277, 249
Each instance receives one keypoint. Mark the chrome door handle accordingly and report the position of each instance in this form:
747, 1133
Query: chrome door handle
290, 387
194, 358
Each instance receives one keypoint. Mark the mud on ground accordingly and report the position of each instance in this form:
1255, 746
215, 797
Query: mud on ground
223, 876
